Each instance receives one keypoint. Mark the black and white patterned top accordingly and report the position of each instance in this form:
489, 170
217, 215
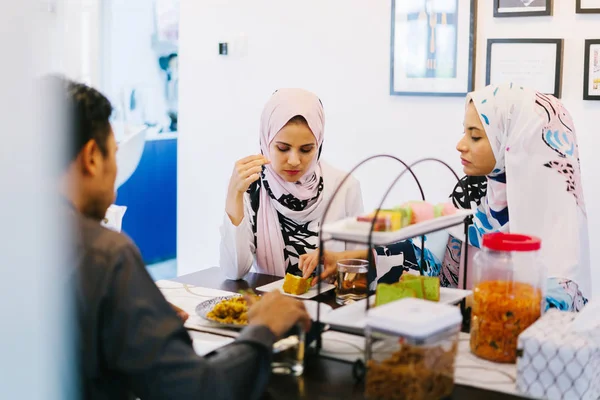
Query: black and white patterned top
238, 243
298, 238
476, 186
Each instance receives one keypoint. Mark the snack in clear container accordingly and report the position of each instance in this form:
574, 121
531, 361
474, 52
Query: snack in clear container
507, 294
501, 311
411, 350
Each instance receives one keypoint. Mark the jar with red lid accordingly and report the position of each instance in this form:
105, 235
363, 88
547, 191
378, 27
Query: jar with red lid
508, 294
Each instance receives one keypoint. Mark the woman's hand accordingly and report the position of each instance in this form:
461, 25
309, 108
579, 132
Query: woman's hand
245, 172
308, 262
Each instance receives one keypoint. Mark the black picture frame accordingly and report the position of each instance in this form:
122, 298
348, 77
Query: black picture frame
558, 65
472, 31
580, 10
547, 12
586, 71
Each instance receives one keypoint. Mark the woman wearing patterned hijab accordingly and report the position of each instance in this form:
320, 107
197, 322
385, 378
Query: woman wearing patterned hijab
524, 144
276, 200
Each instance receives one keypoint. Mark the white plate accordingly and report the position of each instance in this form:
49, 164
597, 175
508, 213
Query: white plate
206, 306
352, 230
312, 292
352, 317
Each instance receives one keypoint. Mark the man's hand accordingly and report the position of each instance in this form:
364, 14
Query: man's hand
180, 313
279, 313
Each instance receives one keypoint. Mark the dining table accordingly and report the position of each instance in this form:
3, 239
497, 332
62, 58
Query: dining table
323, 378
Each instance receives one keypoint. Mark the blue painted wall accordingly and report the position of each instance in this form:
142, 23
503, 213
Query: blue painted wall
151, 199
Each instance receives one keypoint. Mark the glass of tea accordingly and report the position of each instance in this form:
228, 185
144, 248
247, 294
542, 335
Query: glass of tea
288, 353
351, 281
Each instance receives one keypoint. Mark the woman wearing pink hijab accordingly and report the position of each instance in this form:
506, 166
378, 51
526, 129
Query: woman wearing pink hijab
276, 200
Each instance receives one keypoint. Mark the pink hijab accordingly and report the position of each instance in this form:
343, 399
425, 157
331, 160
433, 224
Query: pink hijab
284, 105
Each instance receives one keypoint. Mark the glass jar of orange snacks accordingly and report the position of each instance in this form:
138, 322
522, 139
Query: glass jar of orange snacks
507, 294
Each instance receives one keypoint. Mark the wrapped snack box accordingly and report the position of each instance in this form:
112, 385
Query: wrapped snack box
559, 356
387, 220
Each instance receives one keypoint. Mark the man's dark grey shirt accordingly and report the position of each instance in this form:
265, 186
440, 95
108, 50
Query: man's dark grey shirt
131, 342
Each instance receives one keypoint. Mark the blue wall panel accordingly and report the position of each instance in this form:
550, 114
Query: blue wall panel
151, 199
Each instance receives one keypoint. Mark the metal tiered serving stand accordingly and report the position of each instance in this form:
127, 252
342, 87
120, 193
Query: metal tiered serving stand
327, 234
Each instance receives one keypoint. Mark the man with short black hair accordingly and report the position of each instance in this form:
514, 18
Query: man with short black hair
131, 342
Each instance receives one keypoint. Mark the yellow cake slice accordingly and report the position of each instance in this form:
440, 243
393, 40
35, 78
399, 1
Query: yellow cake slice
293, 284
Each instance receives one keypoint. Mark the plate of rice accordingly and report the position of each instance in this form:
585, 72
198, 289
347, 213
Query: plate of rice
227, 311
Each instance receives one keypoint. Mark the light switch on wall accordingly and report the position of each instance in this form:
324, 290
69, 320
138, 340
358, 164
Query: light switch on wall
223, 49
235, 46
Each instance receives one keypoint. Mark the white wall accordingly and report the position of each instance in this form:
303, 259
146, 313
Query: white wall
129, 61
340, 50
78, 24
36, 339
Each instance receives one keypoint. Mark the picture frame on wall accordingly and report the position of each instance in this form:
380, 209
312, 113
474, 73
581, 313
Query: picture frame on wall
432, 48
522, 8
536, 63
587, 7
591, 72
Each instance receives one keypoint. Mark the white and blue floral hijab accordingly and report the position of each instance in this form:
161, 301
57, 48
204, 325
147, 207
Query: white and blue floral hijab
535, 188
